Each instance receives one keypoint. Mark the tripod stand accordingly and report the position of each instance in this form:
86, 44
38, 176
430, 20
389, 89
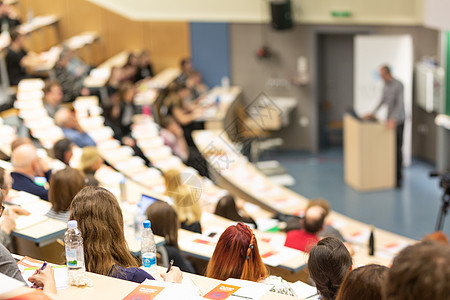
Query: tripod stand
445, 184
443, 212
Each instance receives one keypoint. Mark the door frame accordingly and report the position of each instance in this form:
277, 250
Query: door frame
316, 32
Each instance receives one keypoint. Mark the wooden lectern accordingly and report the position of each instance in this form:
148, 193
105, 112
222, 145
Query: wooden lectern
369, 155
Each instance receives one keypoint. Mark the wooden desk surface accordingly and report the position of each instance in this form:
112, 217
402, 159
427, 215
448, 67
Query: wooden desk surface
112, 288
100, 75
240, 175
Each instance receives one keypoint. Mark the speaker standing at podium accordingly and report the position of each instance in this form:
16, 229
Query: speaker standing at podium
393, 98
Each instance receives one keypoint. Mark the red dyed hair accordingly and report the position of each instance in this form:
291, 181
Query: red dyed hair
237, 256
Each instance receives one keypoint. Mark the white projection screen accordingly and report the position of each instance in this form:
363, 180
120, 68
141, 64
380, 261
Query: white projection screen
371, 52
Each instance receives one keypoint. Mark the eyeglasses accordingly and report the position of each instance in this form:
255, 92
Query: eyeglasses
2, 208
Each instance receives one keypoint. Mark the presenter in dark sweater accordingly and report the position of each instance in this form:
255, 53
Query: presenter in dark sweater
392, 97
27, 165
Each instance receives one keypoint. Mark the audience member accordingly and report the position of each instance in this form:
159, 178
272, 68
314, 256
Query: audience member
195, 84
185, 199
437, 236
307, 237
145, 69
328, 230
8, 265
62, 150
90, 160
186, 69
173, 137
364, 283
64, 185
16, 59
8, 17
72, 86
122, 114
165, 223
26, 166
20, 141
100, 221
130, 69
115, 80
53, 97
227, 208
421, 271
7, 223
237, 256
66, 119
328, 264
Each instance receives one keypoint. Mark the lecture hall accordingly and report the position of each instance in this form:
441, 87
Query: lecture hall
195, 149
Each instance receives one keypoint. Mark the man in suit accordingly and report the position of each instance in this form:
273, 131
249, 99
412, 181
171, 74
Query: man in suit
27, 165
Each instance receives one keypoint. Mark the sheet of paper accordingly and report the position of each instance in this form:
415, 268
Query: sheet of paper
28, 266
27, 221
173, 290
278, 256
303, 290
59, 271
249, 289
9, 284
359, 236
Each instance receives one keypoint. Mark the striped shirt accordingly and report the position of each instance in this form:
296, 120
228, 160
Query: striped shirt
62, 216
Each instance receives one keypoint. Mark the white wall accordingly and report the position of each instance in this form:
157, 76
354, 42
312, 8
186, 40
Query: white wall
406, 12
435, 14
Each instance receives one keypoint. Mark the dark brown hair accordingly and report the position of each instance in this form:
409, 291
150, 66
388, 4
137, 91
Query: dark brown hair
60, 149
100, 221
226, 208
64, 185
164, 221
3, 183
364, 283
49, 84
421, 271
329, 262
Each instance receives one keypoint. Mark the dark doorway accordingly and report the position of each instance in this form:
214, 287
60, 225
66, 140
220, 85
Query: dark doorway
335, 86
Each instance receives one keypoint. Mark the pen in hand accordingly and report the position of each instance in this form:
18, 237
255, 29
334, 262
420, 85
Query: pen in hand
170, 266
39, 271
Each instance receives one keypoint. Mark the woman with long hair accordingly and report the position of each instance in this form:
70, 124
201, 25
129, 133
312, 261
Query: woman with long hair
64, 185
165, 223
328, 264
237, 256
185, 200
100, 221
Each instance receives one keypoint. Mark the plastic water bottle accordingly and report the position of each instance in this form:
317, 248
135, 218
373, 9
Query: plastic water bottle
148, 248
73, 242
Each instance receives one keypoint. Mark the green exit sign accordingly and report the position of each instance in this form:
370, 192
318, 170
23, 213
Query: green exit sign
341, 13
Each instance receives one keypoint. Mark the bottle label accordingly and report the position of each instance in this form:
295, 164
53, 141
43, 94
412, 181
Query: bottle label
75, 257
148, 260
71, 256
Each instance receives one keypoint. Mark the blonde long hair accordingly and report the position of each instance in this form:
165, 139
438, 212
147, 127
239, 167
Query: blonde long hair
100, 221
185, 198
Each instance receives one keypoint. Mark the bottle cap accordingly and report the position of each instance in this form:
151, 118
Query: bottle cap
72, 224
147, 224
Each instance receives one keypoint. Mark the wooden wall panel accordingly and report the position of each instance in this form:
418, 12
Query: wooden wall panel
168, 42
122, 34
42, 7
